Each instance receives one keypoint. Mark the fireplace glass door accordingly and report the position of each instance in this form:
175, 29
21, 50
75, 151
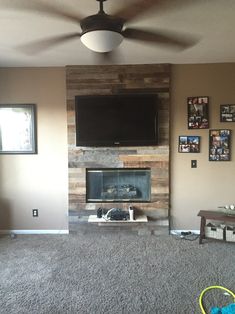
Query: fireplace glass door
118, 185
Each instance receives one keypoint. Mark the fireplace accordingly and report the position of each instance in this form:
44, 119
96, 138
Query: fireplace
118, 185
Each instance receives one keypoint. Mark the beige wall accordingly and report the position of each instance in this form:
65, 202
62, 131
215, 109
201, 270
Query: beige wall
40, 180
212, 183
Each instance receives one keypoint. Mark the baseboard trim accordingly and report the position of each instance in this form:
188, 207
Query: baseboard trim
178, 232
34, 231
173, 232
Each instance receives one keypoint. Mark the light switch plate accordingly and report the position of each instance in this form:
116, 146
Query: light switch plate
35, 212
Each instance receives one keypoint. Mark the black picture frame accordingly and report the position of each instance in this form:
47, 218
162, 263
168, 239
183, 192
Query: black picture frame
198, 112
227, 113
18, 129
220, 145
189, 144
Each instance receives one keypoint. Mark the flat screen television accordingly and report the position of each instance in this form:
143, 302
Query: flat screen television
116, 120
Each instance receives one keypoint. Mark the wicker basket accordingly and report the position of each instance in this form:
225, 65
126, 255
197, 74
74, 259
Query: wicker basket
230, 233
216, 232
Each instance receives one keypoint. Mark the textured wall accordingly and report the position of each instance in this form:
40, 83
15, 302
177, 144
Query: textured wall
90, 80
37, 180
211, 184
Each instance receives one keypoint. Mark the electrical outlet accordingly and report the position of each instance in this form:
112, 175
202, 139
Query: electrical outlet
35, 212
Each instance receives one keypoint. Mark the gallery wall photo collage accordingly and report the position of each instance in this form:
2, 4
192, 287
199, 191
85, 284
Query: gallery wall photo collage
219, 148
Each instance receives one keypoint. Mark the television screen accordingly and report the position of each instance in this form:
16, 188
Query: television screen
116, 120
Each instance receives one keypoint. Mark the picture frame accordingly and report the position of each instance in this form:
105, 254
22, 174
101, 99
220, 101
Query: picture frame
220, 145
227, 113
198, 112
189, 144
18, 129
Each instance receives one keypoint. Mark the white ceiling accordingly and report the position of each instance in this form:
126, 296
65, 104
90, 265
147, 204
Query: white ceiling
210, 21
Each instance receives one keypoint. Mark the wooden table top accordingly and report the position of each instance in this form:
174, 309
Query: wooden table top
216, 215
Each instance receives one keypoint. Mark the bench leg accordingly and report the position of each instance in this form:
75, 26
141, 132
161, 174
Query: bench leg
202, 229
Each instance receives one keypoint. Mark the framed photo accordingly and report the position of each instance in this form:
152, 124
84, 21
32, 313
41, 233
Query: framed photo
220, 145
198, 114
189, 144
227, 113
18, 129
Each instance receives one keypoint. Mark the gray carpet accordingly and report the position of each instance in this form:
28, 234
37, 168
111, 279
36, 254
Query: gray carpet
97, 270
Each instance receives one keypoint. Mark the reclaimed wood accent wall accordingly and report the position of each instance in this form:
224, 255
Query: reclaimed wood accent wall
114, 79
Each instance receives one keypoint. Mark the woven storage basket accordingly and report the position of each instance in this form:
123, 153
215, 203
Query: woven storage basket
215, 232
230, 234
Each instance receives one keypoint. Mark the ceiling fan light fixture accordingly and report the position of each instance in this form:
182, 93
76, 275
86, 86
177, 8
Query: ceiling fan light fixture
101, 40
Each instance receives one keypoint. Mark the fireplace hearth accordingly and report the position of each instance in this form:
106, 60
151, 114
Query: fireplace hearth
118, 185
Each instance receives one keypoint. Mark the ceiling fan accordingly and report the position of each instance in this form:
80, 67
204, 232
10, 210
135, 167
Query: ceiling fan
103, 33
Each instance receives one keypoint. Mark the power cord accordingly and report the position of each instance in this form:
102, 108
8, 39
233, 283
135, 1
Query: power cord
186, 235
190, 238
183, 235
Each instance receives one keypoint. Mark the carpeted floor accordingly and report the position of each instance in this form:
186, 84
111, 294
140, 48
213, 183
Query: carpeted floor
101, 271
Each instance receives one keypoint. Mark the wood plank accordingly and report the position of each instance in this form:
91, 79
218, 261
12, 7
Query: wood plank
144, 158
113, 79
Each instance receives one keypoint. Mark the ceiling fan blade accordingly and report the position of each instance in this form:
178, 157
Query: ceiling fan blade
135, 8
38, 46
175, 40
141, 7
43, 7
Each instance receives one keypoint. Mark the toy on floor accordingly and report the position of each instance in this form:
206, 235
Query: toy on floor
229, 309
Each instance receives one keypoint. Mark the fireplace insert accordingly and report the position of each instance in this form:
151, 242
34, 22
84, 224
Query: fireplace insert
118, 185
